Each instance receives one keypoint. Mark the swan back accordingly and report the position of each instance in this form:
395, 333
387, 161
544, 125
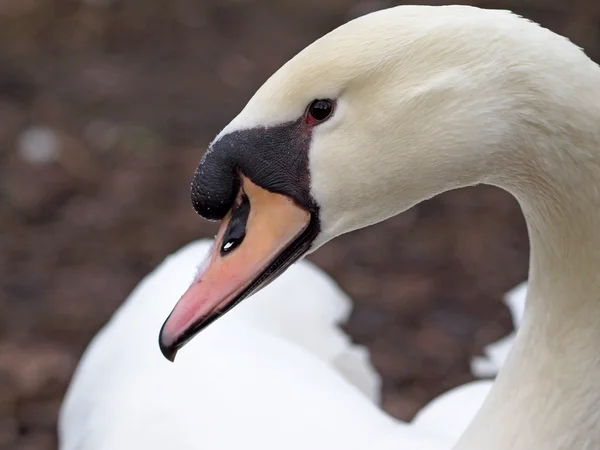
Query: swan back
247, 378
123, 368
247, 387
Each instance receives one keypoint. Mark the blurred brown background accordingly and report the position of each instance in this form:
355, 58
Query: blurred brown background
106, 107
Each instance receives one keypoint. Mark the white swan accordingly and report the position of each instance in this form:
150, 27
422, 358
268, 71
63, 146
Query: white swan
394, 108
257, 378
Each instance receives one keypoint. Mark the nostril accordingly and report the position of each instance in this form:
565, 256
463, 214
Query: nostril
236, 230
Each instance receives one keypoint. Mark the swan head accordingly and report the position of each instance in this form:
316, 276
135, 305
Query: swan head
384, 112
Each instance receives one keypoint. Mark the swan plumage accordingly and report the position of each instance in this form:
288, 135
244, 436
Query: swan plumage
258, 375
448, 415
112, 378
414, 101
392, 109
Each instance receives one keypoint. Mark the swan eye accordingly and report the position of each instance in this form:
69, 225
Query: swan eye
318, 111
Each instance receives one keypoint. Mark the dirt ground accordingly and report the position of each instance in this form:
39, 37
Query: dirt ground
106, 107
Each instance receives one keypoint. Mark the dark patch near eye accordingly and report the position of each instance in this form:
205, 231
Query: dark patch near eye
275, 158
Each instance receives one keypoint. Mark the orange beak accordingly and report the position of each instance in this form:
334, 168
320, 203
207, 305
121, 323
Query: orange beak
258, 239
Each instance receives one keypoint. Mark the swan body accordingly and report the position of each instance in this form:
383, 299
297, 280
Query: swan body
389, 110
403, 104
257, 377
101, 401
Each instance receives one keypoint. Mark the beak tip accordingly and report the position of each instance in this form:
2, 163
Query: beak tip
168, 350
170, 355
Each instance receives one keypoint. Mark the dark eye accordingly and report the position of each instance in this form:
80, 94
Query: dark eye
319, 110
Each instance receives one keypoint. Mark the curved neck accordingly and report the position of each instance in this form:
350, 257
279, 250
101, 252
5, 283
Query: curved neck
548, 392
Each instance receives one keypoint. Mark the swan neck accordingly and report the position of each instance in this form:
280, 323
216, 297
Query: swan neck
548, 391
553, 171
